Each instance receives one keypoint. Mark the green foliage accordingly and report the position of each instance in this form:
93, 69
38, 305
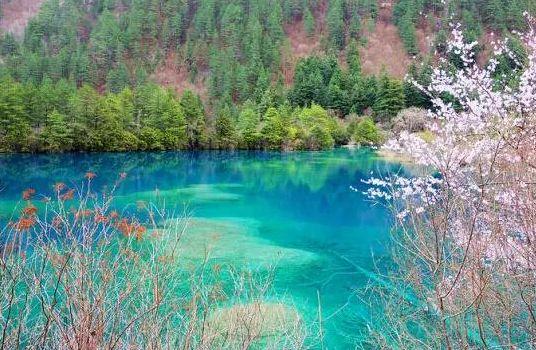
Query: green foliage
389, 99
15, 128
510, 66
56, 135
8, 45
316, 128
335, 24
274, 132
413, 95
79, 78
248, 127
405, 14
118, 79
322, 81
365, 132
352, 59
38, 119
194, 113
309, 22
226, 137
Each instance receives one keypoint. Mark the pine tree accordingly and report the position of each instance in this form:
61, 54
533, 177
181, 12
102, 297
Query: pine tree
106, 43
337, 98
248, 126
407, 33
118, 79
309, 22
8, 45
335, 24
226, 137
15, 131
390, 98
366, 132
495, 14
273, 132
413, 95
317, 128
196, 132
514, 16
353, 59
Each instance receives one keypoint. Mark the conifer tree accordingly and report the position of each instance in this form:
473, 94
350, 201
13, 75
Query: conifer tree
15, 129
195, 120
309, 22
118, 78
335, 24
389, 99
273, 131
226, 137
353, 59
248, 127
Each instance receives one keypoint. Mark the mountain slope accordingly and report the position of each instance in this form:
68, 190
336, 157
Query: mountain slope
15, 15
228, 50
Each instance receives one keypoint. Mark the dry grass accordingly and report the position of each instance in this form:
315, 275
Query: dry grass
16, 14
170, 73
299, 45
384, 49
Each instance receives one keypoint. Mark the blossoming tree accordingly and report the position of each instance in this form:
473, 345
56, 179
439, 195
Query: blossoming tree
465, 233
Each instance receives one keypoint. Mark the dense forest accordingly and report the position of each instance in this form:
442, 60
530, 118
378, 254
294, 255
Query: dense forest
82, 75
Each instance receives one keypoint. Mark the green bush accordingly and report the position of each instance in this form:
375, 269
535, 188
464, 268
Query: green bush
366, 132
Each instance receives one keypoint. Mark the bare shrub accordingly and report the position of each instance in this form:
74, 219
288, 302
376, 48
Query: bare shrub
410, 119
76, 274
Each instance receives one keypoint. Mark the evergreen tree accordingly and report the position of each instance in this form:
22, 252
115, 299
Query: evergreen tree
366, 132
413, 95
195, 120
317, 128
352, 58
248, 126
118, 79
390, 98
226, 137
337, 98
8, 45
335, 24
15, 132
309, 22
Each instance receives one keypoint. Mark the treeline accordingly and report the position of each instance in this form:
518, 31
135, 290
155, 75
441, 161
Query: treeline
58, 117
320, 110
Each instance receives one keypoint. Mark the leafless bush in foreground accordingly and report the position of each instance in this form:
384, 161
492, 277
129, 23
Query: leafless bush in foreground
75, 274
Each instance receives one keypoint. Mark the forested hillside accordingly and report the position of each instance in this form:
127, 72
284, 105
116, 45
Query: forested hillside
236, 59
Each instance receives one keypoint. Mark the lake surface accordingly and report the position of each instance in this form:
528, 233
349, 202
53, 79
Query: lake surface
294, 210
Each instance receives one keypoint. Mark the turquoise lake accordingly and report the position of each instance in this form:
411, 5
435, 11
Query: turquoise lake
294, 210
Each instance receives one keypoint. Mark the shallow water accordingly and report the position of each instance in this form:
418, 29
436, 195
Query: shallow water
253, 209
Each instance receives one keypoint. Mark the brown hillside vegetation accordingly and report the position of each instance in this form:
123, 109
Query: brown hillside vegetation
425, 32
174, 75
299, 45
384, 49
16, 14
